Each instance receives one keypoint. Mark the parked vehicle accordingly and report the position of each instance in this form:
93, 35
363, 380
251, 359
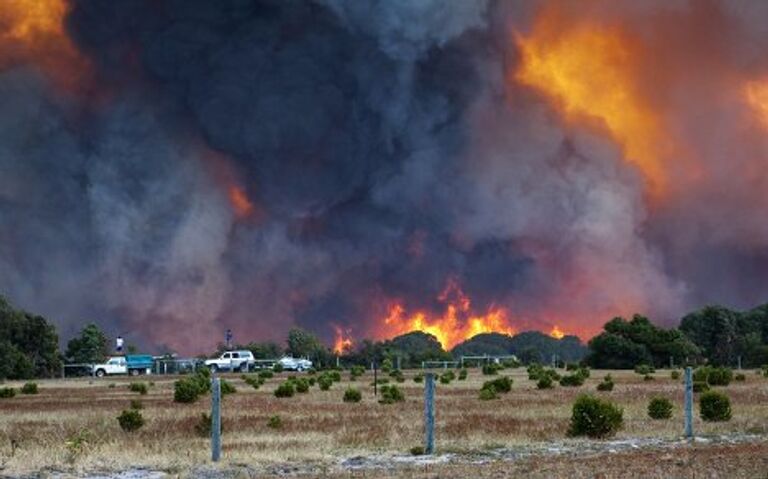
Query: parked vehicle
231, 361
133, 364
294, 364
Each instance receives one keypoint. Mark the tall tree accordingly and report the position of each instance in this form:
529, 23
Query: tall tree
91, 346
29, 345
303, 344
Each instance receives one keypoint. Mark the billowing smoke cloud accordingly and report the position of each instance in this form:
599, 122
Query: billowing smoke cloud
260, 164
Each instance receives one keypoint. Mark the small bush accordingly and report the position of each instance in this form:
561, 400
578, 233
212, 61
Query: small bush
266, 374
205, 425
545, 382
648, 377
278, 368
713, 376
130, 420
572, 380
606, 385
301, 385
463, 375
419, 378
274, 422
595, 417
740, 377
700, 387
227, 387
352, 395
583, 372
490, 369
311, 371
6, 393
355, 372
675, 375
335, 376
660, 408
29, 388
140, 388
714, 406
285, 390
112, 386
444, 379
501, 385
324, 382
391, 394
136, 404
486, 394
644, 369
571, 366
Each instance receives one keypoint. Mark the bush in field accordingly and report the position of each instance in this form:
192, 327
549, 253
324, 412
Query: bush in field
606, 385
675, 375
511, 363
130, 420
572, 380
463, 375
266, 374
648, 377
285, 390
450, 375
419, 378
490, 369
312, 381
486, 394
501, 385
700, 387
595, 417
205, 424
386, 365
185, 391
311, 371
6, 393
274, 422
301, 385
334, 375
545, 382
391, 394
417, 451
583, 372
714, 406
253, 381
644, 369
352, 395
278, 368
713, 376
660, 408
740, 377
324, 382
140, 388
355, 372
571, 367
29, 388
227, 387
136, 404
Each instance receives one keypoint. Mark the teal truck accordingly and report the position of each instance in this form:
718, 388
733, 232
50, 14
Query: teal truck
133, 364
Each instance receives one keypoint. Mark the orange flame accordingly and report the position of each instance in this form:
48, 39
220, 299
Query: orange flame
557, 333
33, 30
756, 94
588, 71
455, 325
240, 202
343, 342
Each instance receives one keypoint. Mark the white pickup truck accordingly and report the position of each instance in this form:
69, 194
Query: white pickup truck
231, 361
132, 364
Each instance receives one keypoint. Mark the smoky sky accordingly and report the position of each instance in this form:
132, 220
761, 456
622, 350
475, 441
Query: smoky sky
384, 152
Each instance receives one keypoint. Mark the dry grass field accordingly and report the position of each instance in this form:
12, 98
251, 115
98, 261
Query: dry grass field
71, 426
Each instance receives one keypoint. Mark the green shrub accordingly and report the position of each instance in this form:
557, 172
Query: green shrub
355, 372
572, 380
713, 376
301, 385
500, 385
490, 369
700, 387
285, 390
312, 381
463, 375
185, 391
488, 393
583, 372
386, 365
254, 381
419, 378
545, 382
311, 371
140, 388
324, 382
278, 368
136, 404
335, 376
417, 451
266, 374
648, 377
112, 386
130, 420
571, 366
29, 388
444, 379
740, 377
6, 393
660, 408
595, 417
675, 375
391, 394
352, 395
205, 425
226, 387
644, 369
606, 385
275, 422
714, 406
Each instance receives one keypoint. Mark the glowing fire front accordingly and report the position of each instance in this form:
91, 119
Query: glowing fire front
343, 342
457, 322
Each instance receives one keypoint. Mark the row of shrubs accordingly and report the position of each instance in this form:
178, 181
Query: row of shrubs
28, 388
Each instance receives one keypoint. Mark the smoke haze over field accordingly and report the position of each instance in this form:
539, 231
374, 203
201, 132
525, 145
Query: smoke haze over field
173, 168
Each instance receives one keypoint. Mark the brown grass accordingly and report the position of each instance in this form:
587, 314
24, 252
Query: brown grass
36, 431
